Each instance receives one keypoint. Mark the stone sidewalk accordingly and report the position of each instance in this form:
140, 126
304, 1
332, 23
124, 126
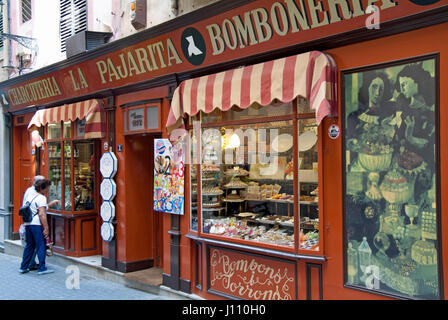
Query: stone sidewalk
61, 285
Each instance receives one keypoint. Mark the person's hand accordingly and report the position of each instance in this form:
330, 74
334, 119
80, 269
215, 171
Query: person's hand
54, 203
46, 232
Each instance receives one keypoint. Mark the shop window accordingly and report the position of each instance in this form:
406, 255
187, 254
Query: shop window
308, 184
141, 118
71, 167
256, 111
246, 187
391, 203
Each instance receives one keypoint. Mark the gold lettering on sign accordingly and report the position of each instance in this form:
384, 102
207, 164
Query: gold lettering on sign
250, 278
80, 82
282, 17
158, 55
34, 91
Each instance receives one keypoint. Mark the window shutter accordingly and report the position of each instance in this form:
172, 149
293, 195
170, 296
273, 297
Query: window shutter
1, 27
26, 11
73, 19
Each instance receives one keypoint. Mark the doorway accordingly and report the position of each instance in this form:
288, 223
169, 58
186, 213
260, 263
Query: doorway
144, 226
24, 168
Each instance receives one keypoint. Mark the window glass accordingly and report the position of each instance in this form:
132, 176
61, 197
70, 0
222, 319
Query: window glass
246, 182
193, 182
308, 185
71, 168
54, 131
80, 126
84, 175
67, 129
136, 119
67, 176
253, 112
152, 117
55, 172
391, 207
303, 105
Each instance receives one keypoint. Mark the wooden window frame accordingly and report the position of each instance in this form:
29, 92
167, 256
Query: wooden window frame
295, 116
142, 105
72, 140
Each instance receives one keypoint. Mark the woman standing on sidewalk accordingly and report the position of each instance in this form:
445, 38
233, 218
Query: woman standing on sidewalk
37, 230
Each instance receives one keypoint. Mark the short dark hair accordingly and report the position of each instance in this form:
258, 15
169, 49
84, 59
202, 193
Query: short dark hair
42, 184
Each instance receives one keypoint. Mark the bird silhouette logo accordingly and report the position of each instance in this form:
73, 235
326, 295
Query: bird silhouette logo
192, 49
193, 46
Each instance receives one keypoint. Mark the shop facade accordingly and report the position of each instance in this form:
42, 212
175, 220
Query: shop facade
314, 142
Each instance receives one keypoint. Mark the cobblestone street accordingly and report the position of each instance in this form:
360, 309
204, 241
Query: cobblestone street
31, 286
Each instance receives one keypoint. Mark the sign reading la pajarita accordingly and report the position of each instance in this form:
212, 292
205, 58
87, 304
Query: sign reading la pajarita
251, 277
253, 28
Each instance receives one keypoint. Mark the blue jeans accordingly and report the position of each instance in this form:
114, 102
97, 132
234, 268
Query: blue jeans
34, 241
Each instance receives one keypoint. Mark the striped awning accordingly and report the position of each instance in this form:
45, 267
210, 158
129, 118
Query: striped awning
311, 75
91, 110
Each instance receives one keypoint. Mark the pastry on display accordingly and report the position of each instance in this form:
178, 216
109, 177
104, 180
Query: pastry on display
237, 171
236, 183
247, 215
210, 190
277, 237
307, 198
215, 204
210, 168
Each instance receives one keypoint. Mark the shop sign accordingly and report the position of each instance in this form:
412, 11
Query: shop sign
108, 165
107, 211
108, 189
333, 131
169, 169
254, 28
107, 231
136, 119
251, 277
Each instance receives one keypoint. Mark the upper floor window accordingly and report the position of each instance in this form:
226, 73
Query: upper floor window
26, 11
1, 27
73, 19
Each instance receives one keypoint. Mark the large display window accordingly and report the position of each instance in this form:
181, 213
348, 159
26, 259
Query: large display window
392, 237
71, 167
254, 175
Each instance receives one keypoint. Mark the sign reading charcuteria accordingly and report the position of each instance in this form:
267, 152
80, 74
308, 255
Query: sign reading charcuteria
253, 28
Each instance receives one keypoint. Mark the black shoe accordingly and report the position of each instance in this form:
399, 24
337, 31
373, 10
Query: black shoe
34, 268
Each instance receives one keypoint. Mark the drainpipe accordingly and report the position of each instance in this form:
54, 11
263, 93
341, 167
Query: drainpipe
8, 30
9, 118
9, 223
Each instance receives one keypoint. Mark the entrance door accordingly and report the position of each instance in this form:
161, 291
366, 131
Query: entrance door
23, 169
144, 226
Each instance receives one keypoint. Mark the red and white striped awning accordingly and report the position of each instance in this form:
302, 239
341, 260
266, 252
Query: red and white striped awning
91, 110
311, 75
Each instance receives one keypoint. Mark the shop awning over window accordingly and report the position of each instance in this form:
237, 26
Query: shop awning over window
311, 75
91, 110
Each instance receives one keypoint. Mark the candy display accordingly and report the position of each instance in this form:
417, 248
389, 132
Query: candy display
256, 201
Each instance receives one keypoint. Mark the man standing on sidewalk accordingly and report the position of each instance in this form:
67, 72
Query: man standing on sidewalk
28, 192
37, 230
